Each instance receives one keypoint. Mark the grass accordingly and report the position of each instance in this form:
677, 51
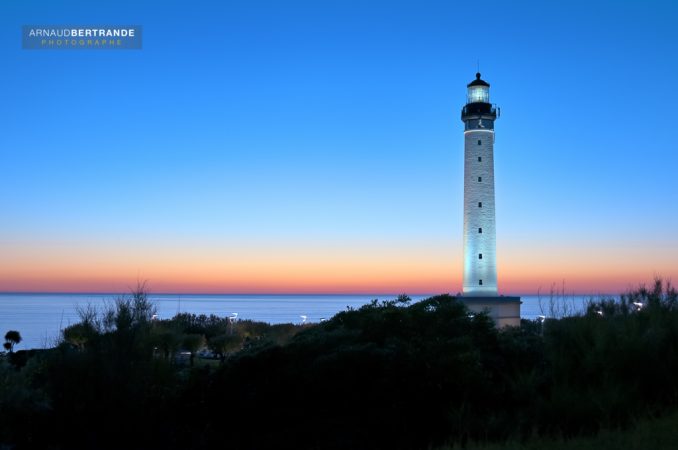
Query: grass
655, 434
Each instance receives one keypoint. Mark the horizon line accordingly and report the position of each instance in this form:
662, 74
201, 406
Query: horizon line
458, 294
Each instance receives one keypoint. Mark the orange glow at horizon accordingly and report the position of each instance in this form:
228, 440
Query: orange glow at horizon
368, 268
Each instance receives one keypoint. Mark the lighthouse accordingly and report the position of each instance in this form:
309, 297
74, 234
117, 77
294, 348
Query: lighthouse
480, 291
480, 244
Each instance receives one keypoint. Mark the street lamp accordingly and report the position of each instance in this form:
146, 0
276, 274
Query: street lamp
231, 320
541, 320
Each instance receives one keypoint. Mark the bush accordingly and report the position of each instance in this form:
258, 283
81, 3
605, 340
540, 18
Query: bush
393, 374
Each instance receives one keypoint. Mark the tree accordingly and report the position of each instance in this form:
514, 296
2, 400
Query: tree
193, 343
79, 334
223, 344
166, 340
129, 313
12, 337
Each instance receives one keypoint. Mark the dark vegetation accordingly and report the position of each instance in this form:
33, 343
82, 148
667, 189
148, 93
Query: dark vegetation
392, 375
646, 434
12, 338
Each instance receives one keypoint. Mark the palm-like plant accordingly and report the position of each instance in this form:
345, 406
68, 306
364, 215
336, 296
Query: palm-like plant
12, 337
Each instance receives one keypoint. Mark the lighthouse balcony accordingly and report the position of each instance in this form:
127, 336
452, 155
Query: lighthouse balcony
478, 109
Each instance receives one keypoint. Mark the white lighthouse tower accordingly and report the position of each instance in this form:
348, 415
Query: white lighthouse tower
480, 236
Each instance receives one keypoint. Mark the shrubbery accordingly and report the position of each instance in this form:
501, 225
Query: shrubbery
390, 375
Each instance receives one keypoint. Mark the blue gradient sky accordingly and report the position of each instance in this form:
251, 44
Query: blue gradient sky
317, 146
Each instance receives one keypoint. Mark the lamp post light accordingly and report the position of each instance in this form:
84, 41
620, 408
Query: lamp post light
541, 320
231, 321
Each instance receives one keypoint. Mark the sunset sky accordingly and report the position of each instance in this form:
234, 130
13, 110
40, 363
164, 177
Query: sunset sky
317, 147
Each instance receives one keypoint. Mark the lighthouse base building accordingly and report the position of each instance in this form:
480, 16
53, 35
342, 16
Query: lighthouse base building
504, 310
480, 247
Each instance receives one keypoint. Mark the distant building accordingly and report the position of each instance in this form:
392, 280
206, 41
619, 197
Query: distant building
480, 235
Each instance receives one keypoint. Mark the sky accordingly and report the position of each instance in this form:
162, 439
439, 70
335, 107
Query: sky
317, 147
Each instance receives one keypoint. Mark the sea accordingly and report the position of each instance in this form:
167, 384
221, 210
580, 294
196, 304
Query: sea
41, 317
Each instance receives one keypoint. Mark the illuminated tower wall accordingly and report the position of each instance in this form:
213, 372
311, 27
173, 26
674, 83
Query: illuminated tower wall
480, 248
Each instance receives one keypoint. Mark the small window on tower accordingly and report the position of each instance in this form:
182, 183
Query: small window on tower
480, 179
480, 256
480, 142
480, 204
480, 230
480, 158
480, 282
